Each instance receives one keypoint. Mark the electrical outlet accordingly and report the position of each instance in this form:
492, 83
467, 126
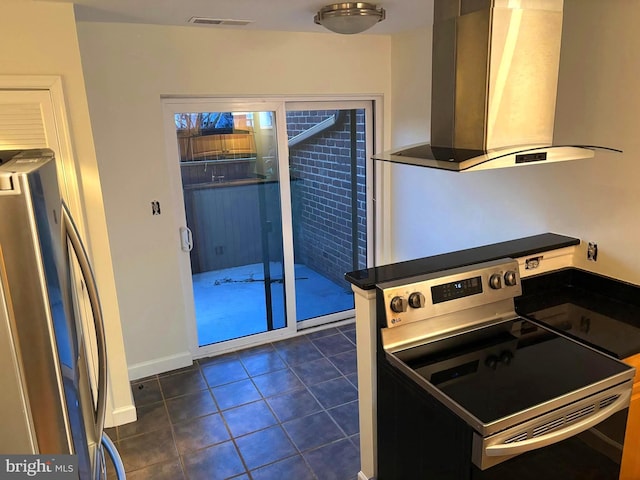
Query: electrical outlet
592, 252
533, 262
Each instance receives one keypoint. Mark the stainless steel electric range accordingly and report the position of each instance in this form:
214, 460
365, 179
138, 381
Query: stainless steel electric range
467, 389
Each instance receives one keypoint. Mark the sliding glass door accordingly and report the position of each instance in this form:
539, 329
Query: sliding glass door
272, 211
328, 175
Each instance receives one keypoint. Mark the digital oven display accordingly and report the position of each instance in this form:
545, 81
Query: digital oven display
457, 289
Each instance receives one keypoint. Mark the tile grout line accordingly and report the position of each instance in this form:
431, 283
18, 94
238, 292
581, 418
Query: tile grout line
183, 467
163, 401
288, 367
224, 422
279, 423
323, 408
233, 439
347, 437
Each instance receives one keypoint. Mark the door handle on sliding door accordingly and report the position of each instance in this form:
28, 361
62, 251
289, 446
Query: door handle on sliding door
186, 239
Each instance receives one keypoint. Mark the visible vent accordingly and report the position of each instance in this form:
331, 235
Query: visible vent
22, 125
219, 21
517, 438
578, 414
547, 427
608, 401
563, 420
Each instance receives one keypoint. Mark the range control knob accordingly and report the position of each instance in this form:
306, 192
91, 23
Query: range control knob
492, 362
495, 281
506, 357
398, 304
416, 300
510, 278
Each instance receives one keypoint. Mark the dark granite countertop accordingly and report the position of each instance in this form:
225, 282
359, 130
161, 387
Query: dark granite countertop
599, 311
368, 278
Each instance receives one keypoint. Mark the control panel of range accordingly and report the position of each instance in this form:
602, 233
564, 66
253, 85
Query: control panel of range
426, 296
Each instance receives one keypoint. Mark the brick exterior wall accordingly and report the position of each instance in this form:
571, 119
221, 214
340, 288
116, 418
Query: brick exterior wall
321, 173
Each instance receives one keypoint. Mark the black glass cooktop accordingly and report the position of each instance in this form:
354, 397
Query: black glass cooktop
598, 311
604, 332
504, 369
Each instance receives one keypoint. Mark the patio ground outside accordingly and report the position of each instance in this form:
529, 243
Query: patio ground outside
230, 303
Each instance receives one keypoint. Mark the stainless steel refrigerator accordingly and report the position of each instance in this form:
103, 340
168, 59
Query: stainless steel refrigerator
53, 379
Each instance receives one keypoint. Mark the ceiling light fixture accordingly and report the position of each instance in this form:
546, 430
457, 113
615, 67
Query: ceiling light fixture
348, 18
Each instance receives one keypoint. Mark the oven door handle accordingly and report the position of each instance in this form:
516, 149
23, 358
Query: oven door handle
508, 449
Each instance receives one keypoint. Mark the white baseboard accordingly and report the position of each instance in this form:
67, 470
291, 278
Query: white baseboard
160, 365
122, 415
362, 476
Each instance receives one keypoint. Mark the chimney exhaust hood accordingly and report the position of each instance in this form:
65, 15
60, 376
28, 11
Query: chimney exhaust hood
494, 83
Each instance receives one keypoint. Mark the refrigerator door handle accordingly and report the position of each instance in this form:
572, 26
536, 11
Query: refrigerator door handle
70, 232
110, 448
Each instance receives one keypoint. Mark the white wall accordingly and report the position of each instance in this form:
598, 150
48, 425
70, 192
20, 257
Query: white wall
127, 69
40, 39
411, 86
595, 200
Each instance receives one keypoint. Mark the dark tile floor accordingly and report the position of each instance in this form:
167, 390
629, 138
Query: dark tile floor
285, 410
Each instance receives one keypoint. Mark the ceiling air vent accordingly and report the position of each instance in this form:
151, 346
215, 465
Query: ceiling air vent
219, 21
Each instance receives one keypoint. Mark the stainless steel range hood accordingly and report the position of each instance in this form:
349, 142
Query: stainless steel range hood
494, 84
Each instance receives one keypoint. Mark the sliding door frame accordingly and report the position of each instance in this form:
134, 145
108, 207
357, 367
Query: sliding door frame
368, 108
278, 104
